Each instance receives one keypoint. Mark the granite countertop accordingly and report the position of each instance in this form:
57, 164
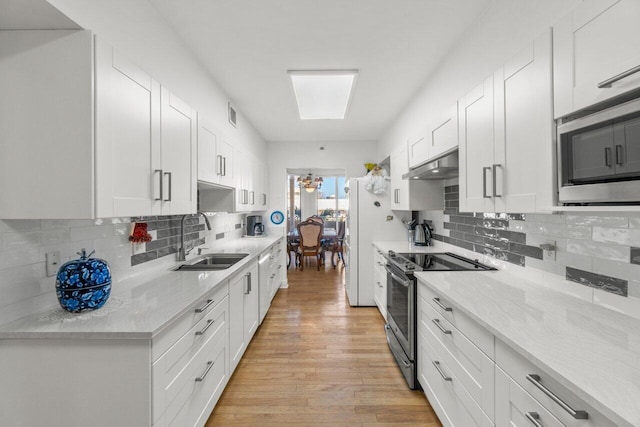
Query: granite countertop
592, 350
139, 308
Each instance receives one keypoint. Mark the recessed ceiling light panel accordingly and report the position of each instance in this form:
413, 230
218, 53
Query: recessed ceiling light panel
323, 94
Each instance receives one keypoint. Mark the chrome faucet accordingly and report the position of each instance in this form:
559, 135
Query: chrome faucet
182, 252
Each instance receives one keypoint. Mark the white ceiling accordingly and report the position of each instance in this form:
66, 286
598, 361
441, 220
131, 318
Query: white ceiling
248, 46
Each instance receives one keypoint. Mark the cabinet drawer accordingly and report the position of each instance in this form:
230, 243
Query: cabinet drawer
177, 329
472, 367
451, 401
519, 368
474, 332
514, 405
170, 367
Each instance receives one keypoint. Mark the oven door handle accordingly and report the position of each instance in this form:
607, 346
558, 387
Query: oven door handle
404, 282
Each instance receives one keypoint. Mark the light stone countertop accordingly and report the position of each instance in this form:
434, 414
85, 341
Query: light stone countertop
592, 350
406, 247
138, 308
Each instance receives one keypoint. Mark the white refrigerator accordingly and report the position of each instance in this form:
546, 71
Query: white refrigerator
369, 218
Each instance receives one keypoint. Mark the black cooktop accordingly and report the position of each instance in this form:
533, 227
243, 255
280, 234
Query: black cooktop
444, 261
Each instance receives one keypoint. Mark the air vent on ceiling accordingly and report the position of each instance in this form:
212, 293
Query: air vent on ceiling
232, 115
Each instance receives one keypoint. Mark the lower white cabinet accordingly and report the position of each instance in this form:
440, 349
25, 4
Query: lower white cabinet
244, 306
172, 379
472, 378
269, 271
380, 281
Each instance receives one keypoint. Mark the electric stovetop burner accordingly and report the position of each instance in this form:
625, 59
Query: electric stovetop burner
444, 261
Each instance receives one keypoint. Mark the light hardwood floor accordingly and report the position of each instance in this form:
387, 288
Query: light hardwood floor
316, 361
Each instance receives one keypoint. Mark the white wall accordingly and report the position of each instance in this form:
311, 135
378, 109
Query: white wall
349, 155
505, 28
140, 33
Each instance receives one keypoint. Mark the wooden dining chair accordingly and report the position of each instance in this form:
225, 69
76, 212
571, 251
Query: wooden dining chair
310, 233
316, 218
336, 246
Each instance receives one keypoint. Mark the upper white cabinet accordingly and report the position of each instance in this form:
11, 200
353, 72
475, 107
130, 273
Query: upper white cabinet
412, 195
215, 155
439, 138
91, 135
506, 136
596, 53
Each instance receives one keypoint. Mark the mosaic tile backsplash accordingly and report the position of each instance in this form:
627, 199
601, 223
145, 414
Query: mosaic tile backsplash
596, 250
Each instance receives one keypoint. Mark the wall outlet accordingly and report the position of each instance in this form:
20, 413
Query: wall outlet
53, 263
548, 250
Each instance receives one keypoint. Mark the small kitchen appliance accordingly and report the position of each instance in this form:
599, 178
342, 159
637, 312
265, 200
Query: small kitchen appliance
402, 305
422, 234
255, 227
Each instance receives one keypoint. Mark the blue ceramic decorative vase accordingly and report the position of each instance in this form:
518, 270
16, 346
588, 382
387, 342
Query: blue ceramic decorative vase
83, 284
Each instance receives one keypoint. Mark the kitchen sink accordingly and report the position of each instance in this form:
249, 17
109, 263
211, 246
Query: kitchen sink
211, 262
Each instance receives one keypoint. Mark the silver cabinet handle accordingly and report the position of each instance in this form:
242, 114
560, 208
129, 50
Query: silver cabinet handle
204, 307
168, 174
484, 182
536, 381
619, 154
206, 371
381, 264
220, 170
607, 156
279, 266
439, 369
272, 276
379, 284
439, 325
160, 175
495, 180
224, 166
607, 83
248, 276
442, 306
252, 197
207, 326
534, 418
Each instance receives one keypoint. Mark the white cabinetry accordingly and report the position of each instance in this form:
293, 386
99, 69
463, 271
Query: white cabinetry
172, 379
412, 195
456, 367
440, 138
245, 311
506, 137
270, 268
215, 155
380, 281
138, 158
519, 391
597, 41
243, 177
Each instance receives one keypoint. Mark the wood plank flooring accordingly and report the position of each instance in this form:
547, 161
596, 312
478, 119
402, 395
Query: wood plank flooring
316, 361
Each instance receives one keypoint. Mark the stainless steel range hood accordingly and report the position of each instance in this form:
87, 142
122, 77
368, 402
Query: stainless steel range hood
444, 168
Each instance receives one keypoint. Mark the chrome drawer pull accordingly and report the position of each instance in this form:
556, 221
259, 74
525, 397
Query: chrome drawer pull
204, 307
534, 418
442, 306
536, 381
207, 326
495, 180
484, 181
161, 184
439, 325
607, 83
439, 369
206, 371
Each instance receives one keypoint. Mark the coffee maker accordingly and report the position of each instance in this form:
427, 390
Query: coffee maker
254, 225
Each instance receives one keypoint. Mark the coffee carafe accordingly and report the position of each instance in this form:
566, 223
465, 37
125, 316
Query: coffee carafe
254, 225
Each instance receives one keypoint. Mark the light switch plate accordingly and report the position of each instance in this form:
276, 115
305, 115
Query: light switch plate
547, 253
53, 263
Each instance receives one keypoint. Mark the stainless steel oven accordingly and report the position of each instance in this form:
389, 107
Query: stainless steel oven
401, 327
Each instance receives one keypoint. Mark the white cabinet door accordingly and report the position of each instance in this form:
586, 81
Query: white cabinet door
598, 40
524, 148
242, 177
237, 343
443, 133
398, 163
177, 121
251, 303
225, 151
127, 137
418, 150
476, 149
210, 165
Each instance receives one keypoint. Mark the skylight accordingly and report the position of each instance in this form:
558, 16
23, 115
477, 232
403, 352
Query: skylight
323, 94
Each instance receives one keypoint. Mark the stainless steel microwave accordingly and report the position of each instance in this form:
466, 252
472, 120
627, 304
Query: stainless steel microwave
599, 157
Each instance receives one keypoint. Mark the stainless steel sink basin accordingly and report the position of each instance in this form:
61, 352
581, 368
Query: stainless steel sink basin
212, 262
